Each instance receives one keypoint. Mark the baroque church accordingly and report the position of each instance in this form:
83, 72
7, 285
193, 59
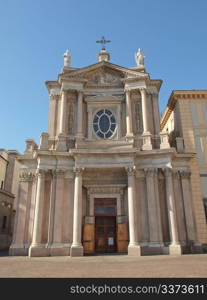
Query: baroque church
104, 179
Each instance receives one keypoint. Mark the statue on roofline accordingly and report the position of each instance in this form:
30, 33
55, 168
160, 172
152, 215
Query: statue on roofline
139, 58
67, 58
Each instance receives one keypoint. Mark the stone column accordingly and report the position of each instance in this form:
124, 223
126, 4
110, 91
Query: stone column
57, 247
77, 247
155, 238
19, 244
36, 248
52, 120
158, 207
144, 110
189, 211
133, 247
143, 208
129, 130
63, 108
175, 247
51, 209
156, 113
147, 144
80, 115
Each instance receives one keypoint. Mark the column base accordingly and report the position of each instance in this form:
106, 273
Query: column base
175, 250
57, 249
134, 250
39, 250
18, 250
76, 251
130, 138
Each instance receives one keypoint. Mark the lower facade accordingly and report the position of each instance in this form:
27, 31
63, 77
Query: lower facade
130, 203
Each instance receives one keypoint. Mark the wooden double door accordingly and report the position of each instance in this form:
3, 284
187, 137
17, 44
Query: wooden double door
105, 225
105, 234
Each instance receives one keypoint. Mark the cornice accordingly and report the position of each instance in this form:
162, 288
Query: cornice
52, 85
7, 193
101, 65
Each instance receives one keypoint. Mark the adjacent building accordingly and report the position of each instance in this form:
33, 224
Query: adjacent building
185, 119
8, 190
105, 178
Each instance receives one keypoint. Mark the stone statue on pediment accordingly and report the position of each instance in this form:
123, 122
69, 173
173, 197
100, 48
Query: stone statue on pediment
139, 58
67, 58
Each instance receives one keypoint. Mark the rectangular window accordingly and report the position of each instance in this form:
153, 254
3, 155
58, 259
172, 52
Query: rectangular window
205, 206
4, 222
203, 178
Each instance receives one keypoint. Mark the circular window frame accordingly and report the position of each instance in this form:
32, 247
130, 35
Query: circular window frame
111, 123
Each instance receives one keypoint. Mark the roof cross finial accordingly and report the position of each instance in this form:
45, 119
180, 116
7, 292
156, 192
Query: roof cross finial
103, 41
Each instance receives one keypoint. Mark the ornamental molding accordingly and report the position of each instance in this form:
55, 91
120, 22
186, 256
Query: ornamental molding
185, 174
130, 170
149, 172
105, 189
78, 171
26, 176
106, 66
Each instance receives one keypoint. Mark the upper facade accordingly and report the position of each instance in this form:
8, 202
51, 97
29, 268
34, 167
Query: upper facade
104, 104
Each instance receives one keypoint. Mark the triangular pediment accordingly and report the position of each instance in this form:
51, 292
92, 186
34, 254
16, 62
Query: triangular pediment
103, 73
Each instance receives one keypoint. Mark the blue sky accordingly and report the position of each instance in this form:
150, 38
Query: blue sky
35, 33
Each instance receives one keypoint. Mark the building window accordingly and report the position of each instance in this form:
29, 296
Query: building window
2, 184
104, 124
4, 222
205, 206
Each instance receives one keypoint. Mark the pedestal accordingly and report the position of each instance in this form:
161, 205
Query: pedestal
76, 251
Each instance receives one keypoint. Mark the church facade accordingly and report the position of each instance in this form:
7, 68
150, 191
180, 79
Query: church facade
104, 178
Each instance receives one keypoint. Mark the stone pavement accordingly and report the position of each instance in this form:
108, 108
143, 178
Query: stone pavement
104, 266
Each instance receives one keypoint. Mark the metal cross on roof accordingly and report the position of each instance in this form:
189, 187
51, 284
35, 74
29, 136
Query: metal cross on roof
103, 41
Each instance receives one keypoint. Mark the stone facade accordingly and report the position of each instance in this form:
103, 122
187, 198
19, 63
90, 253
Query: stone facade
8, 192
104, 178
185, 119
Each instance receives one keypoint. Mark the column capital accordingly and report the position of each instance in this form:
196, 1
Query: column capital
149, 172
78, 171
40, 172
185, 174
167, 171
26, 176
80, 91
130, 170
143, 89
176, 173
54, 97
64, 90
140, 173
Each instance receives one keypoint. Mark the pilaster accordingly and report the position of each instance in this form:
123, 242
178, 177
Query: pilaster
77, 247
189, 212
175, 247
154, 218
134, 247
37, 248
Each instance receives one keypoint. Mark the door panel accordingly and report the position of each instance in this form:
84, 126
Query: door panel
88, 238
105, 234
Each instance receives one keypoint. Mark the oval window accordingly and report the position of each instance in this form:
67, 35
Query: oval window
104, 124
